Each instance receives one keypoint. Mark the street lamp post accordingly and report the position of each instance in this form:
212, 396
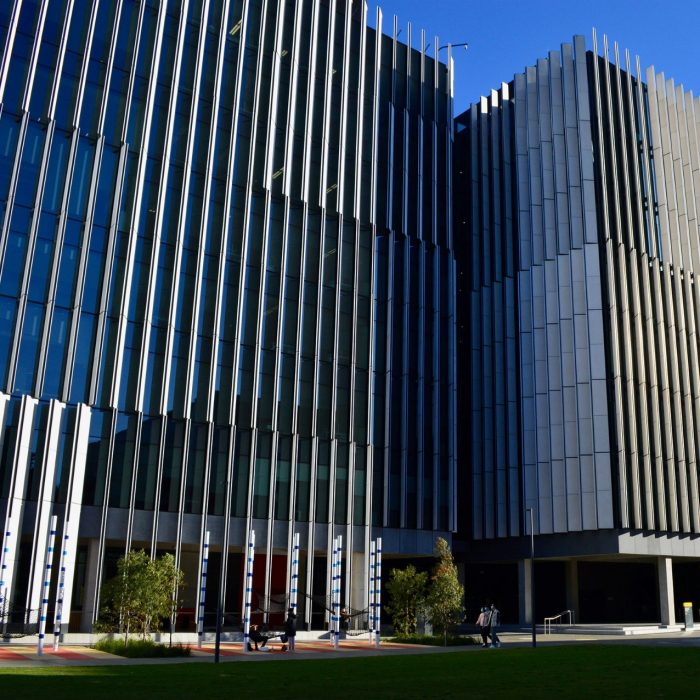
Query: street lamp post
532, 577
461, 43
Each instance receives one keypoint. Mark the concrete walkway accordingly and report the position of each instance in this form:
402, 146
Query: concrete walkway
24, 654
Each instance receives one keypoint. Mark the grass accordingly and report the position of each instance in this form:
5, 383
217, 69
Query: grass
141, 649
559, 672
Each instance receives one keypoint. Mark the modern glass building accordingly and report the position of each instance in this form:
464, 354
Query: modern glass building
577, 198
227, 293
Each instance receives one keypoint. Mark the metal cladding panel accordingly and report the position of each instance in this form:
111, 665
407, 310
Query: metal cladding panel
560, 354
646, 170
605, 171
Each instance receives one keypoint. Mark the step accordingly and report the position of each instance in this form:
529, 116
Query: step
617, 630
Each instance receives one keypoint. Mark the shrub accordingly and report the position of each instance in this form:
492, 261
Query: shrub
435, 640
141, 649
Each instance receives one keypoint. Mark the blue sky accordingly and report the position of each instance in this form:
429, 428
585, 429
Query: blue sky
506, 35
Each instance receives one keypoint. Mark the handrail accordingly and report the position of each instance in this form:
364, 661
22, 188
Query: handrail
549, 620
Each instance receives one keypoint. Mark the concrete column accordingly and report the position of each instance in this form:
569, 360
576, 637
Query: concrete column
45, 508
91, 583
189, 594
524, 592
13, 514
75, 503
666, 601
571, 572
358, 582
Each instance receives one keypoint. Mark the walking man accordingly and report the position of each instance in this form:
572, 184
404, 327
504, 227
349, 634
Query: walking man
495, 622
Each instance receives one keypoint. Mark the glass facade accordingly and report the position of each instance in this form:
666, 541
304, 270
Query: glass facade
227, 282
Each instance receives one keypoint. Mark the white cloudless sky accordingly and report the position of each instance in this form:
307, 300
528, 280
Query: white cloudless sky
505, 36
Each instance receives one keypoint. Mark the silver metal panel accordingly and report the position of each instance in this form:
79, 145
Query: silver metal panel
34, 58
656, 394
328, 115
585, 126
86, 62
544, 86
637, 263
340, 195
31, 246
82, 269
521, 162
312, 78
5, 229
9, 44
535, 169
694, 360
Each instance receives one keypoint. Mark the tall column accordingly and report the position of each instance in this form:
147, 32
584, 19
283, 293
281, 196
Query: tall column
45, 506
571, 572
524, 592
74, 505
93, 560
666, 601
14, 511
358, 581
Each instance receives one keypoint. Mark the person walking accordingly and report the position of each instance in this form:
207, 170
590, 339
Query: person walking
290, 628
494, 624
483, 624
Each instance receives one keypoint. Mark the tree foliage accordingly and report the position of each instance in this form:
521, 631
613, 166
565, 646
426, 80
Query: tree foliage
141, 595
444, 600
406, 589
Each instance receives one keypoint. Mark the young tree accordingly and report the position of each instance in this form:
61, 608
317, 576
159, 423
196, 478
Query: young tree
141, 595
444, 600
406, 589
169, 579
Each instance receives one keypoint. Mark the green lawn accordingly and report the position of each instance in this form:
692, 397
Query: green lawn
594, 672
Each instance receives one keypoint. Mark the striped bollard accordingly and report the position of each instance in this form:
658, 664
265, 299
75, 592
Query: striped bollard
370, 607
60, 593
248, 590
4, 603
334, 568
202, 590
3, 608
47, 584
294, 588
338, 586
378, 592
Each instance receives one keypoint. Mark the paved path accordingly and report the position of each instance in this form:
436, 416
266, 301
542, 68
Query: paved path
24, 654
